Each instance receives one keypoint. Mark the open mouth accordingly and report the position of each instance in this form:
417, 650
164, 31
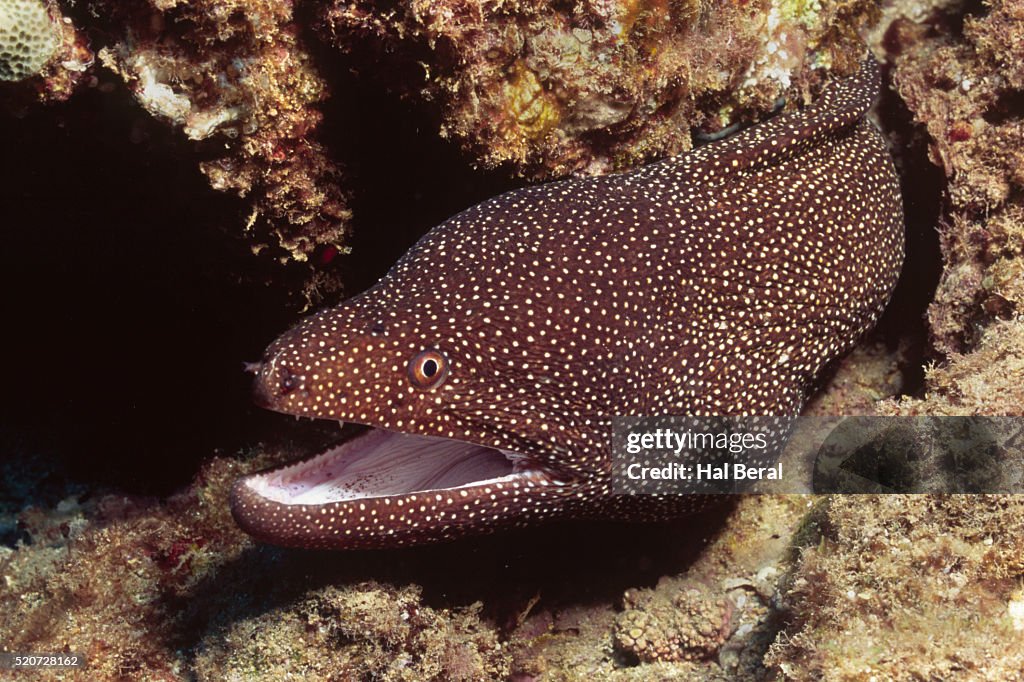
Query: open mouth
383, 464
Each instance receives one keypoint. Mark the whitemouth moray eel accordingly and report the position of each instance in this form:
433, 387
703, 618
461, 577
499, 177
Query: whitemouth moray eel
490, 359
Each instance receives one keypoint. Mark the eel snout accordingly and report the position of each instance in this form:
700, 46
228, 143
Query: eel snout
273, 382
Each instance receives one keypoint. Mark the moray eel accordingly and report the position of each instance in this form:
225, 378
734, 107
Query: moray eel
489, 361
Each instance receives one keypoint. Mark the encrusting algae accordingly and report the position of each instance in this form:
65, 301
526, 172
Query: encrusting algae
593, 87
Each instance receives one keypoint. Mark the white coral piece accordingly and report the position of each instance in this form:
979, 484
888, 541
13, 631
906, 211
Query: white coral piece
27, 39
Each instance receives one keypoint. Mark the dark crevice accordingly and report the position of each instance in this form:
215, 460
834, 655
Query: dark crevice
131, 300
974, 9
904, 323
407, 179
1009, 106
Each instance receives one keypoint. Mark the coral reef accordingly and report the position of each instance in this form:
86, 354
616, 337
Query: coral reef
927, 587
692, 626
966, 90
174, 591
132, 583
595, 86
712, 621
892, 587
107, 578
548, 90
984, 381
237, 73
907, 587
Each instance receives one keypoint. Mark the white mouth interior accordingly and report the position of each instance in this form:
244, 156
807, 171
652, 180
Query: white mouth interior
382, 463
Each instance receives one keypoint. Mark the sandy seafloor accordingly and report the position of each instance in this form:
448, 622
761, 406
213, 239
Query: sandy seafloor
181, 181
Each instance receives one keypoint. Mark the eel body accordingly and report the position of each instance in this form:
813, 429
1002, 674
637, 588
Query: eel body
491, 358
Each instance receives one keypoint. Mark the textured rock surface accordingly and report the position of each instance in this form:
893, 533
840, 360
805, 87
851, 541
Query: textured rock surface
904, 587
545, 90
589, 87
110, 577
985, 381
966, 90
907, 587
239, 74
711, 621
360, 631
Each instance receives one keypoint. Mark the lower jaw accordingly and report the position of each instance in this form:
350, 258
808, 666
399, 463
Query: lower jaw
387, 489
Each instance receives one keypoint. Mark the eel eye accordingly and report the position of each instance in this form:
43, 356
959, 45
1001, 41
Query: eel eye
428, 369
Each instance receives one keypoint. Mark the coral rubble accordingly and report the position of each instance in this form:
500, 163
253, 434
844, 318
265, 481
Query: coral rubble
107, 578
357, 632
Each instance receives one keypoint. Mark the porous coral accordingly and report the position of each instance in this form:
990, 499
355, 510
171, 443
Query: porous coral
693, 626
44, 56
590, 87
28, 40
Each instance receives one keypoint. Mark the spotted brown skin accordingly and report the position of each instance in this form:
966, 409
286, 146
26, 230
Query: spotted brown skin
718, 282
